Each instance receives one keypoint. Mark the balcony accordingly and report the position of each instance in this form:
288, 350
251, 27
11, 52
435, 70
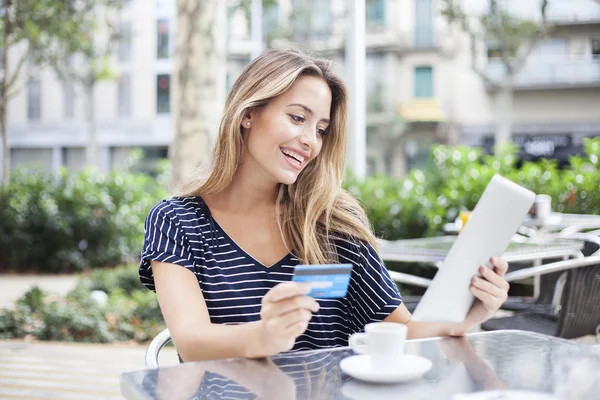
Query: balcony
574, 12
552, 73
421, 110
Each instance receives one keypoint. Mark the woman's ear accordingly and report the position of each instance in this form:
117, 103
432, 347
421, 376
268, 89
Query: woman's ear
247, 120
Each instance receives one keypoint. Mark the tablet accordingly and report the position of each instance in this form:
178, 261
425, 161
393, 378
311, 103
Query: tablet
494, 221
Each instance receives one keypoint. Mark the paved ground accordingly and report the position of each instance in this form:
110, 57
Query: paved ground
52, 370
56, 370
13, 286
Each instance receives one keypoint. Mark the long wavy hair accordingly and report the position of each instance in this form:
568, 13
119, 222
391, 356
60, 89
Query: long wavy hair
315, 209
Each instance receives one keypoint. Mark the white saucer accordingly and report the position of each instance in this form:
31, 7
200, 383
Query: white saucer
505, 395
361, 367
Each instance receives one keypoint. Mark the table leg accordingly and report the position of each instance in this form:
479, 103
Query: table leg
537, 281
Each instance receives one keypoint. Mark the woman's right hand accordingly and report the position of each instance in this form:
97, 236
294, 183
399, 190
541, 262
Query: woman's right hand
284, 315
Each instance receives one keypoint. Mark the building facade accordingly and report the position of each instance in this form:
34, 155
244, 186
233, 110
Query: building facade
419, 83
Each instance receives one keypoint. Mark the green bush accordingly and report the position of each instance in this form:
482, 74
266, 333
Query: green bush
420, 203
78, 317
125, 278
65, 222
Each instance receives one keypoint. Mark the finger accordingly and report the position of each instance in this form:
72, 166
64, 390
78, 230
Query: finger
489, 302
494, 278
500, 265
296, 329
488, 287
275, 309
285, 290
281, 323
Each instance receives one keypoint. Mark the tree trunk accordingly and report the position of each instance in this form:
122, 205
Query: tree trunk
91, 151
5, 147
198, 83
504, 112
3, 106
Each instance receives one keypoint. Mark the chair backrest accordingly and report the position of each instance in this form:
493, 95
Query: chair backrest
580, 303
155, 347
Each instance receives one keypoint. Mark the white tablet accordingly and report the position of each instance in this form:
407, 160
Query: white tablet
494, 221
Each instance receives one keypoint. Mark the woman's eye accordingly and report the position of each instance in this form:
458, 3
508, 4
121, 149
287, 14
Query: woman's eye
322, 132
297, 118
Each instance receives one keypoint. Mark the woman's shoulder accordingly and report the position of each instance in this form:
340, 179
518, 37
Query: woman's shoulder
178, 207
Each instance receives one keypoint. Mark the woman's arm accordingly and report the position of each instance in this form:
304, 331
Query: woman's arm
419, 329
285, 313
184, 309
490, 291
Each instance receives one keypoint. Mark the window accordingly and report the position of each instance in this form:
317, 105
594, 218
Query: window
321, 18
375, 13
68, 100
311, 19
552, 49
596, 47
163, 89
374, 87
230, 12
423, 23
34, 99
423, 82
31, 159
270, 22
124, 96
162, 38
73, 158
125, 42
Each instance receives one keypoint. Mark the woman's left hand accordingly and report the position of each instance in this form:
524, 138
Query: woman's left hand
490, 291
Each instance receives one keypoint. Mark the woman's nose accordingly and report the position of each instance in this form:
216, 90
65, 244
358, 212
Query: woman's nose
309, 137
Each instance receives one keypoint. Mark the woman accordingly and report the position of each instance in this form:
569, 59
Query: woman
273, 199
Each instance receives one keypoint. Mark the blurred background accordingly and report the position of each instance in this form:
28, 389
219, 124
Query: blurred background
424, 81
106, 103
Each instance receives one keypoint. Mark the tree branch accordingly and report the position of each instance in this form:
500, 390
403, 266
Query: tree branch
496, 22
12, 79
455, 14
540, 33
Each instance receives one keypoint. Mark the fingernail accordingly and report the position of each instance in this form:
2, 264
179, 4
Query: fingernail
482, 269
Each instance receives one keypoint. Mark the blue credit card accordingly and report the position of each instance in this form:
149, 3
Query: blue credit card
328, 281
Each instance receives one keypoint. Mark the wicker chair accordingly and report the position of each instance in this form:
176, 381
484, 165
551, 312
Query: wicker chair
548, 282
575, 310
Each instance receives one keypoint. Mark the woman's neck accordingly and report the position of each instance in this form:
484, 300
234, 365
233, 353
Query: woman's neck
248, 193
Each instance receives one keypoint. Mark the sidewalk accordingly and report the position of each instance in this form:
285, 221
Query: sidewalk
54, 370
14, 286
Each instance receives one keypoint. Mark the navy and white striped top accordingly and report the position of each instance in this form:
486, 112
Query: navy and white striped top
182, 231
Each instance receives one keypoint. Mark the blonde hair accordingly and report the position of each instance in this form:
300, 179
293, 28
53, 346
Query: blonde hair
316, 207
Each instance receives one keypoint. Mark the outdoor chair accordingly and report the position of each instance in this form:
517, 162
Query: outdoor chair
410, 301
155, 347
575, 309
547, 283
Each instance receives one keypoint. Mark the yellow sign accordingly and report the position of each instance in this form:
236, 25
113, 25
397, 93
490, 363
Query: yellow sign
421, 110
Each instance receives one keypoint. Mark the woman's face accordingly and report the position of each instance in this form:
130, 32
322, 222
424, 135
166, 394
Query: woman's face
284, 135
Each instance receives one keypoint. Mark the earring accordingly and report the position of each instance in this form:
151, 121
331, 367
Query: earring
248, 124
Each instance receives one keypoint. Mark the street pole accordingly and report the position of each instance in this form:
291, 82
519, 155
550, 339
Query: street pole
256, 27
355, 69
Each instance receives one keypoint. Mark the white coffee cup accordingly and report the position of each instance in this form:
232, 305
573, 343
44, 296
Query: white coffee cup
383, 341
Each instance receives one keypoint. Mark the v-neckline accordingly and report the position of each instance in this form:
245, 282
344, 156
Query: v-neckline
290, 255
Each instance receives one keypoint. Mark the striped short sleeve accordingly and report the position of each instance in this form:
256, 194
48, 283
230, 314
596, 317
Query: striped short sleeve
164, 240
372, 294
